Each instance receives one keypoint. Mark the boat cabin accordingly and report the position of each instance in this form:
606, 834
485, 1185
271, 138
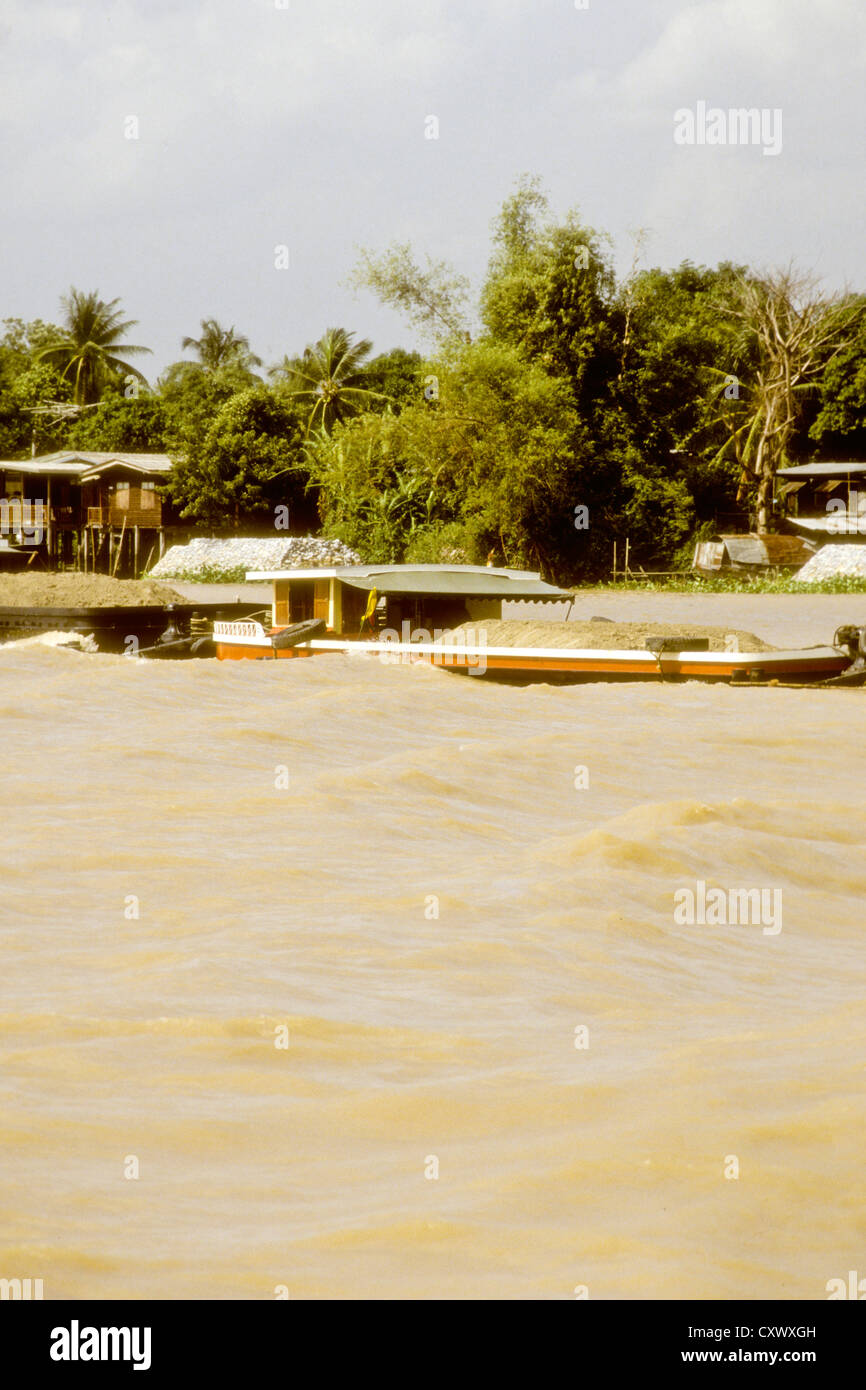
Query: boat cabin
352, 598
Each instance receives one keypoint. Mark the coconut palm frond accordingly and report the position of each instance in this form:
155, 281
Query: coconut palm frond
83, 349
220, 347
329, 374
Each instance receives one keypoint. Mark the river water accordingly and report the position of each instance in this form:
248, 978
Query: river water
511, 1072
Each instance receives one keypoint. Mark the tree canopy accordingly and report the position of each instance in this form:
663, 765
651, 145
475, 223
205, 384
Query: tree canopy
240, 463
556, 408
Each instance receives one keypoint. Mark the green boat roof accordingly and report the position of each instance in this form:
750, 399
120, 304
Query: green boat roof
452, 582
471, 581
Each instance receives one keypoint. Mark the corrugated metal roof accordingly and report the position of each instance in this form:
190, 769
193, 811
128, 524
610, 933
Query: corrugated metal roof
104, 456
139, 463
71, 470
746, 550
457, 581
764, 550
821, 470
474, 581
708, 555
833, 524
71, 461
767, 549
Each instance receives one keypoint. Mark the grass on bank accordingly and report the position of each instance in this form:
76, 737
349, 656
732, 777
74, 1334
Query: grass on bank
731, 584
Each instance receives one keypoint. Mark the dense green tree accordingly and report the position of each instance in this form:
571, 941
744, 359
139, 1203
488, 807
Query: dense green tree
840, 424
550, 291
32, 393
244, 462
497, 460
191, 399
131, 424
677, 394
87, 349
638, 360
30, 417
397, 377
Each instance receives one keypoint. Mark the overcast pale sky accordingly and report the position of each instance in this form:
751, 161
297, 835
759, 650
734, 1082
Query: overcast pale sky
303, 123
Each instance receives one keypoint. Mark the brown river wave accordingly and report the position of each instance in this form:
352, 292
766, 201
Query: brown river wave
512, 1069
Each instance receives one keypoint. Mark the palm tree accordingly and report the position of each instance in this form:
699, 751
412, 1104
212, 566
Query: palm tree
218, 348
329, 377
83, 351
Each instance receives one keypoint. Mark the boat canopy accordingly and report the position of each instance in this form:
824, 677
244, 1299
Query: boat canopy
475, 581
454, 583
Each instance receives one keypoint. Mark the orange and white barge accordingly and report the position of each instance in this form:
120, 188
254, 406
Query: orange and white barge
251, 641
424, 609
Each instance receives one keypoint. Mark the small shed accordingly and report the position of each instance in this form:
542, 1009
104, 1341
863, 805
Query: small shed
750, 554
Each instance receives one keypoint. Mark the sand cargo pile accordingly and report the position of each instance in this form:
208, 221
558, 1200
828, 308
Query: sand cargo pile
73, 590
601, 634
118, 615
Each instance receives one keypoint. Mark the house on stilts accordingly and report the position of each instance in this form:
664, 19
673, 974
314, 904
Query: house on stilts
100, 512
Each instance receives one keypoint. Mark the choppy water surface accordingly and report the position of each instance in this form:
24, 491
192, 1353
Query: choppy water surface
157, 789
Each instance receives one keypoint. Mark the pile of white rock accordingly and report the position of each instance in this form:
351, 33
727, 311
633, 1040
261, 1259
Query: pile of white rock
236, 553
310, 552
834, 562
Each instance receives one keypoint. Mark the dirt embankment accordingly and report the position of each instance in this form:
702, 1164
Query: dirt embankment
606, 636
81, 591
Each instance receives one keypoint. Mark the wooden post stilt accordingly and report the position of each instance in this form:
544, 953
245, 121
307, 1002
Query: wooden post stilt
50, 533
119, 548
